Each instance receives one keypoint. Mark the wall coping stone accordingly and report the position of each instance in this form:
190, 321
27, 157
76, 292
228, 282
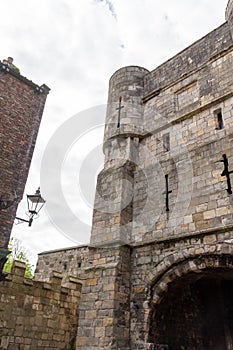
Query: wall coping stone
64, 249
172, 63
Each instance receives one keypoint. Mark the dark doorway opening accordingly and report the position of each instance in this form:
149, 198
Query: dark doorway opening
196, 313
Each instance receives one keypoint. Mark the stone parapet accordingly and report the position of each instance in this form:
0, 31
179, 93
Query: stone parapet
187, 61
69, 261
38, 315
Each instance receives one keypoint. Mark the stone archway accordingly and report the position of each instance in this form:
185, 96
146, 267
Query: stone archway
192, 306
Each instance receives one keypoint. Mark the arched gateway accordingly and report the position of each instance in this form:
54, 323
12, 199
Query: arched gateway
191, 305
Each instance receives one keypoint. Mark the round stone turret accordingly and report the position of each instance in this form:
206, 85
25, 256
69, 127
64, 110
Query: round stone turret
125, 106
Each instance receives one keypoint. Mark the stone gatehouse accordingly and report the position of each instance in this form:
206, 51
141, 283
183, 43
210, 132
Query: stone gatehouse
158, 273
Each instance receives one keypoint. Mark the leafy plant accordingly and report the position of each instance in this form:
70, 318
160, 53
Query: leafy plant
18, 252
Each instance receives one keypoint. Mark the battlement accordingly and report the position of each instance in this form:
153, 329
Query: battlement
68, 262
189, 60
35, 313
54, 282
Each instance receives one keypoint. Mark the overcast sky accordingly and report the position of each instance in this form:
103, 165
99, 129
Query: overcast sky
74, 46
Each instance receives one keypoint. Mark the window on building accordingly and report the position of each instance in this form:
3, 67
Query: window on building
219, 119
166, 142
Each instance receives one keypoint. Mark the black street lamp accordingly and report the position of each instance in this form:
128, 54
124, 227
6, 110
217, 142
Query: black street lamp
35, 203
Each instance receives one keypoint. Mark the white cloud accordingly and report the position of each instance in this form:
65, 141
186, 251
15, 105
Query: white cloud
110, 6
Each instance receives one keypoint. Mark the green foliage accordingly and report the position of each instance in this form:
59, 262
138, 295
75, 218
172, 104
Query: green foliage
18, 252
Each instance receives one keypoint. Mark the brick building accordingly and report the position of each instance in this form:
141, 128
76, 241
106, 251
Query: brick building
21, 107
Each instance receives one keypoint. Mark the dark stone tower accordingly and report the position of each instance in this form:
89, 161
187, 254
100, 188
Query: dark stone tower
21, 107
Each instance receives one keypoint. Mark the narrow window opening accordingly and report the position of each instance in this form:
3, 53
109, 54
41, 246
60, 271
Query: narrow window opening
166, 142
219, 119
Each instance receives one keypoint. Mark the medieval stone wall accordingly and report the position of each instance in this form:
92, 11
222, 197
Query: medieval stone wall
105, 302
190, 59
176, 135
70, 261
171, 241
193, 162
38, 315
159, 269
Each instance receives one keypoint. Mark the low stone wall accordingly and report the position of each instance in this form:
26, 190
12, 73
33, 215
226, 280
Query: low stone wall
67, 261
38, 315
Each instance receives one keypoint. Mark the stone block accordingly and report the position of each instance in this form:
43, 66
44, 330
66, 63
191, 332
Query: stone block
209, 214
18, 268
210, 239
5, 342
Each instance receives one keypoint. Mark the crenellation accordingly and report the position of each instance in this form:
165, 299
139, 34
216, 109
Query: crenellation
189, 60
70, 261
43, 314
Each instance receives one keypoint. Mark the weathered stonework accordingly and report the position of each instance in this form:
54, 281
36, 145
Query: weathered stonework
159, 267
69, 261
175, 124
38, 315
